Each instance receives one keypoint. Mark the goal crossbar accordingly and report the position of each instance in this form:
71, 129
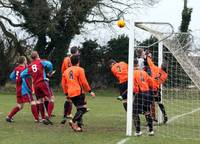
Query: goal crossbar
177, 52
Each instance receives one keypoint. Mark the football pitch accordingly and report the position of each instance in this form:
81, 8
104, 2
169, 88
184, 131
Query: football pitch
104, 124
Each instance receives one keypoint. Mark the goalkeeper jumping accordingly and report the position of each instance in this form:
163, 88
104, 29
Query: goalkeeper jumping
159, 76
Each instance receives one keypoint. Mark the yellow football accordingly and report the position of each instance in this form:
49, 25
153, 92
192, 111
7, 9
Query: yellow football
121, 23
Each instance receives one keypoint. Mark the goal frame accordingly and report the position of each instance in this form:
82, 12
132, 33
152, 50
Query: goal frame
132, 46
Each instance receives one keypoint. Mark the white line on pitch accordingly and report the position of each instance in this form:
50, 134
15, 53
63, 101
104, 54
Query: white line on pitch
123, 141
182, 115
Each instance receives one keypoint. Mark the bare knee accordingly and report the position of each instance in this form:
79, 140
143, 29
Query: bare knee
33, 103
21, 106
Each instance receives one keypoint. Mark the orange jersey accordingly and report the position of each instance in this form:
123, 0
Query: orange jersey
66, 63
142, 81
162, 77
74, 81
159, 76
120, 71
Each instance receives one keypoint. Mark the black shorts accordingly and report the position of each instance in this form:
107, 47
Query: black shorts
142, 102
123, 90
79, 100
157, 97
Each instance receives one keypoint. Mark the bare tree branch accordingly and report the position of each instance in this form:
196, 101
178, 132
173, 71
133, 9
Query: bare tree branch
5, 5
10, 22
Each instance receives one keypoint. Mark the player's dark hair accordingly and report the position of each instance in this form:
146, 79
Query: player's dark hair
147, 52
74, 50
34, 55
139, 52
111, 61
75, 59
135, 62
21, 59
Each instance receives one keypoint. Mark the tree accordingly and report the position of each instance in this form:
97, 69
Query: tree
92, 59
54, 23
118, 48
186, 17
10, 48
184, 39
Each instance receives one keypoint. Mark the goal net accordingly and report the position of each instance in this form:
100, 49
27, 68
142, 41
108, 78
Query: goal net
181, 92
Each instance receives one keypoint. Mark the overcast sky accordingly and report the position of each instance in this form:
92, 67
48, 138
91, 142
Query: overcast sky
165, 11
170, 11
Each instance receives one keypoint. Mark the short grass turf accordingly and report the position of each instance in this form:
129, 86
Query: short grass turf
104, 124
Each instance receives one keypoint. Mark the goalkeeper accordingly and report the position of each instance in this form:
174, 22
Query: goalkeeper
159, 76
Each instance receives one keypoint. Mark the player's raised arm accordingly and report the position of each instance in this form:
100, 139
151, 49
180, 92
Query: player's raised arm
151, 82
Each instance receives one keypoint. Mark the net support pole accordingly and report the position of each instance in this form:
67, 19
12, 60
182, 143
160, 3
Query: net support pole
160, 61
130, 79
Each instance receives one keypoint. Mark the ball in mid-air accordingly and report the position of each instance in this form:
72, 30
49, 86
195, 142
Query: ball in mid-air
121, 23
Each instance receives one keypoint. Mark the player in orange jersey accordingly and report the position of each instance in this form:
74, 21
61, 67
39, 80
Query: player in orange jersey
143, 99
68, 104
74, 84
120, 71
159, 76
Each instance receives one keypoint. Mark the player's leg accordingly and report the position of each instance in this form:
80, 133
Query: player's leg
153, 112
123, 93
148, 99
46, 103
34, 110
28, 98
80, 122
67, 110
149, 121
153, 107
162, 107
13, 112
124, 104
78, 117
40, 104
47, 93
45, 120
80, 103
41, 92
50, 105
136, 118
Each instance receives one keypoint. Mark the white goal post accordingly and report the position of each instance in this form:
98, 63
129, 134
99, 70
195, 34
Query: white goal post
130, 79
131, 69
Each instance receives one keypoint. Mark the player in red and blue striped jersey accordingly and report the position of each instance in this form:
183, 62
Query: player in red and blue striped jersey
40, 83
23, 91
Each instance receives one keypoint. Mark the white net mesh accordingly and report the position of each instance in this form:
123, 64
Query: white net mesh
180, 93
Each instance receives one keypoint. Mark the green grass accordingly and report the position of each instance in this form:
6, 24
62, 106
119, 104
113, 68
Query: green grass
104, 124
